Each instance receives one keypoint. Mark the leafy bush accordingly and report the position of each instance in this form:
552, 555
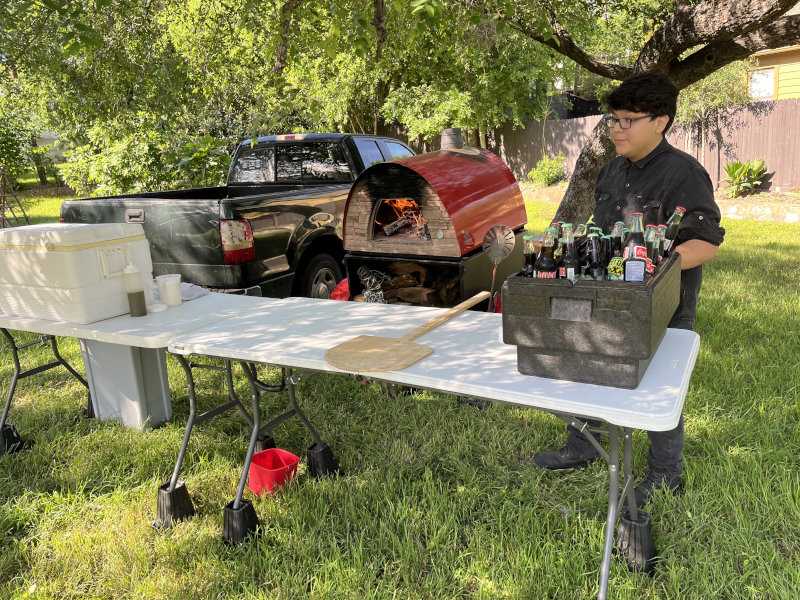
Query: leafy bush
744, 178
131, 163
200, 164
549, 171
15, 138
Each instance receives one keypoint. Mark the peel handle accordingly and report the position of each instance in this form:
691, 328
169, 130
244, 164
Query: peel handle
445, 317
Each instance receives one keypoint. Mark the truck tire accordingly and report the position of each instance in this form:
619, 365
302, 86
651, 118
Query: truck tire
320, 276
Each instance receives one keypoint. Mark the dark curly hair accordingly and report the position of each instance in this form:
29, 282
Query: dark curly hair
650, 93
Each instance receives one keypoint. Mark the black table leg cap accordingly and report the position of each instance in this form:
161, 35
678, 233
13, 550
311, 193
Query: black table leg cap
172, 506
635, 542
10, 440
264, 442
238, 523
321, 461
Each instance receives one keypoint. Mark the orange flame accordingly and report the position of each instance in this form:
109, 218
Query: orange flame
405, 208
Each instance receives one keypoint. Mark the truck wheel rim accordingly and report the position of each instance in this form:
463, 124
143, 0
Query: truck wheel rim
323, 284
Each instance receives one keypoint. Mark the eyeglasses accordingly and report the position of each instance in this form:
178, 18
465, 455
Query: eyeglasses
624, 122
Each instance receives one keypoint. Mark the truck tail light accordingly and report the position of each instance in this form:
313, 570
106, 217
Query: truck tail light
237, 241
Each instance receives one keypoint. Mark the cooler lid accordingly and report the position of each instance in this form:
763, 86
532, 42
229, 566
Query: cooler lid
57, 235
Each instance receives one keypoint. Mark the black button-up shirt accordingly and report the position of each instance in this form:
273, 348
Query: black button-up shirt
654, 186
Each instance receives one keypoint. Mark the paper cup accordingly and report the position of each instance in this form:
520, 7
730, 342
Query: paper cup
169, 289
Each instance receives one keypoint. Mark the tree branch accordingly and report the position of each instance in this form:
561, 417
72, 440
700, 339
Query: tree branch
708, 23
379, 22
282, 49
717, 54
563, 43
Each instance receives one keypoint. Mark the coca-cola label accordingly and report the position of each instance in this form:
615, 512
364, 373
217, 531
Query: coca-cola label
562, 273
638, 252
546, 274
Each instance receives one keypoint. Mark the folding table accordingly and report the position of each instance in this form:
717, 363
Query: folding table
469, 360
149, 332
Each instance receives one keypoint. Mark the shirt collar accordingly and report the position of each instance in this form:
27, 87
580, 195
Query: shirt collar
663, 146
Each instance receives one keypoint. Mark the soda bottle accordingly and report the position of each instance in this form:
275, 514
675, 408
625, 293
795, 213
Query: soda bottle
672, 227
529, 255
595, 270
661, 231
605, 249
568, 265
649, 241
614, 268
546, 265
658, 246
616, 238
557, 226
634, 257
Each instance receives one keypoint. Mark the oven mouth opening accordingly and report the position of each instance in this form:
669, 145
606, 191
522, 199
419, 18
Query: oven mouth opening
399, 219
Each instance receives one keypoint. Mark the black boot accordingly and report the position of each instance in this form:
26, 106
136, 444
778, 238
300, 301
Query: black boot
655, 481
565, 458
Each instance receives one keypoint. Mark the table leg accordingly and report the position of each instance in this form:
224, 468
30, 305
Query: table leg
319, 455
174, 503
239, 518
611, 517
635, 540
10, 440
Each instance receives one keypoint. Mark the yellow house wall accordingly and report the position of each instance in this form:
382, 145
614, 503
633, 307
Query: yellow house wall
787, 72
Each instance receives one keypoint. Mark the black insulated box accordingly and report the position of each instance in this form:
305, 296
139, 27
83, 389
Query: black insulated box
602, 332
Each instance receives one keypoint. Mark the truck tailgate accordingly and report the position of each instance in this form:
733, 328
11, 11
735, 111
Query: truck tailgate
183, 233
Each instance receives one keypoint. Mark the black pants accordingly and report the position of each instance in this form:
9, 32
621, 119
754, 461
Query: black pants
666, 447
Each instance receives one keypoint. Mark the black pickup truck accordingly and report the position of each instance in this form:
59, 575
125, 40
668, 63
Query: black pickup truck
274, 230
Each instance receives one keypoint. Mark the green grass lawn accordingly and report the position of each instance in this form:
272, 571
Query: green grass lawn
440, 499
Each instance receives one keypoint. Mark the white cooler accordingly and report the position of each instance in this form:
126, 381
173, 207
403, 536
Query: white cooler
71, 272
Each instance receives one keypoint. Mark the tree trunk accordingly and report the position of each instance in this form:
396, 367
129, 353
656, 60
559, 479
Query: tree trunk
37, 161
578, 201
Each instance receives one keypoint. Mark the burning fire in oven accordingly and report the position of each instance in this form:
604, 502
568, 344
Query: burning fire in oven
400, 217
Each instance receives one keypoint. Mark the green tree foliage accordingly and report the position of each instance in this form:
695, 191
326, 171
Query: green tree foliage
156, 75
16, 131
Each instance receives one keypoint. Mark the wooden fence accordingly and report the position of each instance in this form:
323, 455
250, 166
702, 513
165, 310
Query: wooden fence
769, 130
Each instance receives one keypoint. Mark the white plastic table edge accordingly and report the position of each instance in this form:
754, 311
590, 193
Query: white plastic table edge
151, 331
469, 358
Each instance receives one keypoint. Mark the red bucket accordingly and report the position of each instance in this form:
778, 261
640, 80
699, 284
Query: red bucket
271, 468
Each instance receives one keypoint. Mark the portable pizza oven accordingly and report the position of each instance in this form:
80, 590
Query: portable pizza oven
414, 228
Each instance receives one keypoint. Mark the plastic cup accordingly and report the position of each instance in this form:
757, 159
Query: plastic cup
270, 469
169, 288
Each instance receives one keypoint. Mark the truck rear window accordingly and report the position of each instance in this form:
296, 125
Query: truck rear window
315, 162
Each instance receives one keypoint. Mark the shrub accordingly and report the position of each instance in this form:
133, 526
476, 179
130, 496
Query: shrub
549, 170
744, 178
200, 163
127, 164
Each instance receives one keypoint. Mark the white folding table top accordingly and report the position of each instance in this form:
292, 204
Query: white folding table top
469, 358
151, 331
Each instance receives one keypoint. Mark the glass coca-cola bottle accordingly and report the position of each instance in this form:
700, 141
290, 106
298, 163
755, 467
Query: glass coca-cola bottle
649, 241
634, 257
672, 227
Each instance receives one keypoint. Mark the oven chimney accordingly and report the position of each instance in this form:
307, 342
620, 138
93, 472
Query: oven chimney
452, 138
